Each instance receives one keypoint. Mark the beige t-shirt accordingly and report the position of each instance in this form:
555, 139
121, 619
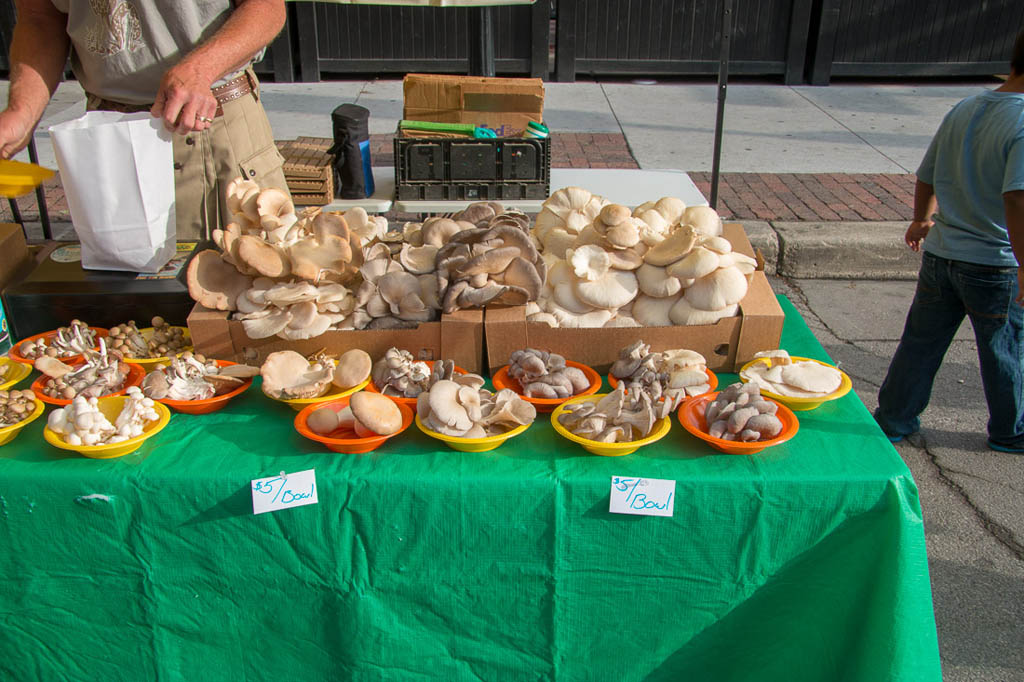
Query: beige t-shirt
123, 47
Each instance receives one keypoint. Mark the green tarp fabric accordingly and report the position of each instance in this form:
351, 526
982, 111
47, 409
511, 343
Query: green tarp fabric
805, 562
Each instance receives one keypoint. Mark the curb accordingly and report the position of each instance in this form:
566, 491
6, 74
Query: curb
835, 250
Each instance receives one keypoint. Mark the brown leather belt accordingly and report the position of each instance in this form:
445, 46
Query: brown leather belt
232, 90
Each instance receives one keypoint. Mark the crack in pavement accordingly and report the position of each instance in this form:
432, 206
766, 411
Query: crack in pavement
968, 474
999, 532
806, 305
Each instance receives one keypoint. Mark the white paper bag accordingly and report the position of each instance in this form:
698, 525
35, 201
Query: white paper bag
118, 175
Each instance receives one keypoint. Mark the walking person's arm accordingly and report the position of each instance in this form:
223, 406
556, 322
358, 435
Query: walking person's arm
39, 50
1013, 202
924, 207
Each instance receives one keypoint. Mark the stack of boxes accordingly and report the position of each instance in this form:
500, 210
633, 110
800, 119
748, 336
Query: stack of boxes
308, 170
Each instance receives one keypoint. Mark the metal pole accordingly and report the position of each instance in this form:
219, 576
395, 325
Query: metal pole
44, 213
723, 79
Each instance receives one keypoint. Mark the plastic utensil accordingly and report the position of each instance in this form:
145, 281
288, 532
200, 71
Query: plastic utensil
474, 131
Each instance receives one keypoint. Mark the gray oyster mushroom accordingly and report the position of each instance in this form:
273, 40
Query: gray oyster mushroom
398, 374
460, 407
741, 413
617, 417
542, 374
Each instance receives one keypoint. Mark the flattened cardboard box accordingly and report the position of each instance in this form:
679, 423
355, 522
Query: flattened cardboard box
458, 336
14, 255
727, 344
505, 105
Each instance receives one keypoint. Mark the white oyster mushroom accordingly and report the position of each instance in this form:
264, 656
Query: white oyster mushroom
612, 291
673, 247
717, 244
657, 282
267, 325
419, 260
589, 262
653, 312
287, 374
682, 313
721, 288
696, 264
566, 297
704, 219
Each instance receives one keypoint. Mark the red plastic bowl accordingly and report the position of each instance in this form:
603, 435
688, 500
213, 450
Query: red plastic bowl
409, 402
691, 416
501, 380
343, 440
15, 352
135, 376
208, 405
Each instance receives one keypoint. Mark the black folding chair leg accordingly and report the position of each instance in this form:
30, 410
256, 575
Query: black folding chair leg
44, 213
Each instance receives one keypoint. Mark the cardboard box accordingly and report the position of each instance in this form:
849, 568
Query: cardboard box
727, 344
458, 336
14, 254
505, 105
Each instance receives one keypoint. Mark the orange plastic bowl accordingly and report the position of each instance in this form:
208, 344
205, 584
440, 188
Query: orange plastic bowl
135, 376
401, 400
15, 352
207, 405
502, 380
691, 416
344, 440
712, 381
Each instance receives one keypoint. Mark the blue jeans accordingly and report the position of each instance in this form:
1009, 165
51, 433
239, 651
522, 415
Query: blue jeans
946, 291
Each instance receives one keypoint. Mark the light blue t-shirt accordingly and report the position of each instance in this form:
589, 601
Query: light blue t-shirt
975, 157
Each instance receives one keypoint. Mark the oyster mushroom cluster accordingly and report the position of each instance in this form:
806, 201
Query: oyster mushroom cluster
782, 375
659, 265
165, 340
495, 263
396, 291
542, 374
82, 422
294, 310
460, 407
671, 374
740, 413
192, 377
618, 417
103, 372
288, 375
398, 374
366, 415
74, 339
16, 406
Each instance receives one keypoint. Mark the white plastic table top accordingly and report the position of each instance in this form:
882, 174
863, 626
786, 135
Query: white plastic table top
383, 193
627, 186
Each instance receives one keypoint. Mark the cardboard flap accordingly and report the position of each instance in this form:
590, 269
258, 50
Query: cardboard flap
506, 105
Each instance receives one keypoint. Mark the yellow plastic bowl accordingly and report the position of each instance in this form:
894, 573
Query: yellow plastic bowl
472, 444
111, 407
17, 177
661, 428
147, 334
16, 371
799, 404
335, 393
9, 433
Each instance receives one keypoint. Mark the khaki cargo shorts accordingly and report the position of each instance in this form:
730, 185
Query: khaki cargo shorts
239, 143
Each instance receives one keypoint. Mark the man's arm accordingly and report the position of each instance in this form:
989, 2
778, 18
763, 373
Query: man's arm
924, 207
39, 50
1013, 202
184, 93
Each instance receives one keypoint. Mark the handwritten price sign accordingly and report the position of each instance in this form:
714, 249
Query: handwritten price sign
645, 496
284, 491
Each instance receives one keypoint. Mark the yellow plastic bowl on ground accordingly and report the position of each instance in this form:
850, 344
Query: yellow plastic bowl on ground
111, 407
661, 428
335, 393
798, 404
151, 363
16, 371
472, 444
9, 433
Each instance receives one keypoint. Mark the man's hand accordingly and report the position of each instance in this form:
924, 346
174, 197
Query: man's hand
917, 231
15, 132
184, 100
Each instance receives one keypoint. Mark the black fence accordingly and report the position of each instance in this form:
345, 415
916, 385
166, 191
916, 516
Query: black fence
797, 41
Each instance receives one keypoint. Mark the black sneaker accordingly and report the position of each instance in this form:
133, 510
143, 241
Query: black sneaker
1017, 449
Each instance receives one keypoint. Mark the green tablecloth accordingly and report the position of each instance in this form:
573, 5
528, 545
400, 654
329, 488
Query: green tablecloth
806, 562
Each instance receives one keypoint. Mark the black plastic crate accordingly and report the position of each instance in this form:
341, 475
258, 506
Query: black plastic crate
455, 169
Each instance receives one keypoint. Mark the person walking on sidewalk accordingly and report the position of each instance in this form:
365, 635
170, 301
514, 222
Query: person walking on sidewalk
969, 214
188, 63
